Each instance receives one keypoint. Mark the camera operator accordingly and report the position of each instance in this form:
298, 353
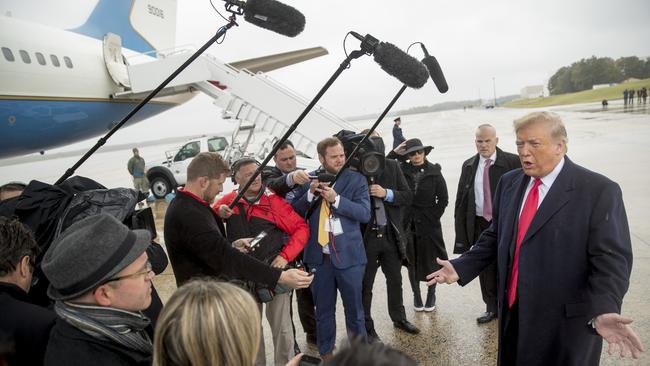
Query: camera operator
385, 241
263, 211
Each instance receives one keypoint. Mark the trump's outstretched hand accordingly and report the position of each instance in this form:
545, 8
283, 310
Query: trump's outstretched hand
446, 274
616, 330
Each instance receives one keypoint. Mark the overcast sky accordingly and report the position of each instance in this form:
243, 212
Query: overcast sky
518, 43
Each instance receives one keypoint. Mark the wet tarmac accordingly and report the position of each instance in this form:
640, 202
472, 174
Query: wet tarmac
611, 143
615, 145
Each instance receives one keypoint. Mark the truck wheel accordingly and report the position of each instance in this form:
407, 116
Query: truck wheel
160, 186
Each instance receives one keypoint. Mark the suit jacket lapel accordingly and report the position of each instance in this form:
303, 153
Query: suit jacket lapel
515, 193
558, 196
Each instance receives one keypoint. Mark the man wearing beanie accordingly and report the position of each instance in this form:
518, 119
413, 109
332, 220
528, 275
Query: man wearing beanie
100, 278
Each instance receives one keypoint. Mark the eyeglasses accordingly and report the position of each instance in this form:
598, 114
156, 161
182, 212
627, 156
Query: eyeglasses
417, 152
145, 271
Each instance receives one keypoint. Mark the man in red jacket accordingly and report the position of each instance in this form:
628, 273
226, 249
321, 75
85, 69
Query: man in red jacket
287, 233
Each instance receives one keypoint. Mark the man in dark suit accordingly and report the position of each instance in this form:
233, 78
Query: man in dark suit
335, 247
384, 239
476, 186
561, 239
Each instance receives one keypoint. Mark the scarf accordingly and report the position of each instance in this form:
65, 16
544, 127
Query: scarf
120, 326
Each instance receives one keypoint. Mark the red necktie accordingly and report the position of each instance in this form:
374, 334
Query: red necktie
527, 214
487, 194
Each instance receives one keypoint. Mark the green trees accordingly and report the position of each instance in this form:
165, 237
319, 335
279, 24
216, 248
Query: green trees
586, 73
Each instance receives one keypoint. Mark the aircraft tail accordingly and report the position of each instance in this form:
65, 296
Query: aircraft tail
143, 25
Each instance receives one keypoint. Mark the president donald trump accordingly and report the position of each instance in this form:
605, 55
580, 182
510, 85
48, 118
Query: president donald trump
562, 244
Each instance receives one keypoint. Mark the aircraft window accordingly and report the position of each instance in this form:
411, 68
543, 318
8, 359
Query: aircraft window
8, 54
55, 60
190, 150
40, 58
25, 56
217, 144
67, 61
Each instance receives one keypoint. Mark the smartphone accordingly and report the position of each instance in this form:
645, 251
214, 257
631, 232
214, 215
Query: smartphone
307, 360
257, 239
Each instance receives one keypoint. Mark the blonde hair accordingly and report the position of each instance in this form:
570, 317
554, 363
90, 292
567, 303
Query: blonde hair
552, 120
208, 323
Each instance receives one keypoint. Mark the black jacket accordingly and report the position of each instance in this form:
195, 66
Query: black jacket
465, 208
393, 178
197, 247
26, 324
70, 346
422, 217
276, 180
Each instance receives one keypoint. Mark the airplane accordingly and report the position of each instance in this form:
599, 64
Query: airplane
60, 86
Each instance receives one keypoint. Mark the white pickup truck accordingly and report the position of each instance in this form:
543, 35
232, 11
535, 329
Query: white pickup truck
166, 175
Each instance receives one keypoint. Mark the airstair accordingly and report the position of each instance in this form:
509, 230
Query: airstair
263, 108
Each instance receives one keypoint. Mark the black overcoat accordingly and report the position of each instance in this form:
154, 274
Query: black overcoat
574, 264
422, 217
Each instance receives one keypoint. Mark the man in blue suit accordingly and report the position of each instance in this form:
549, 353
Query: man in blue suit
335, 248
561, 239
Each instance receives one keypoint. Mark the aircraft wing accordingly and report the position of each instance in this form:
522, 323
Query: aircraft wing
278, 60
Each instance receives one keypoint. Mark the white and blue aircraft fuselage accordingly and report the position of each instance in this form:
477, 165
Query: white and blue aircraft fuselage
55, 88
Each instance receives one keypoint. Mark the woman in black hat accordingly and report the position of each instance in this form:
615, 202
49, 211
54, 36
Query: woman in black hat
422, 218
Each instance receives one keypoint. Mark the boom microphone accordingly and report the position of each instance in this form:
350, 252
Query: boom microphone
434, 70
272, 15
394, 61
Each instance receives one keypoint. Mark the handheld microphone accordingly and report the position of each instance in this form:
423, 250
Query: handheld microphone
434, 70
394, 61
271, 15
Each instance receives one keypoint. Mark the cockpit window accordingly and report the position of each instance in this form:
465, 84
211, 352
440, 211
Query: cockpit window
9, 56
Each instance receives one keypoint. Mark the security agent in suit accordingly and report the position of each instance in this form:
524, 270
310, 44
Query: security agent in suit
335, 247
561, 239
385, 244
473, 212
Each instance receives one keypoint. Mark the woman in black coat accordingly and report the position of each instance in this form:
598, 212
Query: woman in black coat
422, 218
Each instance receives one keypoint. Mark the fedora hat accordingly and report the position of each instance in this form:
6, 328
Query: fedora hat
415, 145
90, 252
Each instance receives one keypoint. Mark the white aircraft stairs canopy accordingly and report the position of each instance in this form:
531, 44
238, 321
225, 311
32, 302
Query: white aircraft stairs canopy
259, 103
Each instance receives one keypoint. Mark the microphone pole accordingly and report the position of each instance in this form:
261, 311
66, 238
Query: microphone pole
369, 133
222, 31
344, 65
390, 105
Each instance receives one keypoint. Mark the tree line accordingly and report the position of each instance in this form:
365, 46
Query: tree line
586, 73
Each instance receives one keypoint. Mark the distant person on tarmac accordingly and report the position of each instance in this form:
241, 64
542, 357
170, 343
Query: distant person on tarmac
398, 136
136, 169
625, 94
630, 96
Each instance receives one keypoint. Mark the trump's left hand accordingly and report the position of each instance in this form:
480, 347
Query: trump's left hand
615, 329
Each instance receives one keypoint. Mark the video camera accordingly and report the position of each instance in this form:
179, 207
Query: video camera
369, 159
